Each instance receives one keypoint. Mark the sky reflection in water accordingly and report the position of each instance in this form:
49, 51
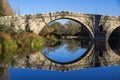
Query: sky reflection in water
62, 54
102, 73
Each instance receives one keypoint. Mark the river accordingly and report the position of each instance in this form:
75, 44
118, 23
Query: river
18, 67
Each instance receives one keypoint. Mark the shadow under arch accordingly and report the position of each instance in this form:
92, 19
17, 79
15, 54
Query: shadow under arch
114, 40
89, 49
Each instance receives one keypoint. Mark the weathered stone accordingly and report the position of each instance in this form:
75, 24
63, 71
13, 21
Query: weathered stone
100, 27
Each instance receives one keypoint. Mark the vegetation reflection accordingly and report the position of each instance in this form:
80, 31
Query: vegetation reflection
20, 42
66, 35
54, 36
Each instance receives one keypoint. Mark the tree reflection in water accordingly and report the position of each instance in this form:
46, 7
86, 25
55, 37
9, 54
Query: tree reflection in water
4, 73
66, 49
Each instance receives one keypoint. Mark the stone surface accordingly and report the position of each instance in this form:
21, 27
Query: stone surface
100, 27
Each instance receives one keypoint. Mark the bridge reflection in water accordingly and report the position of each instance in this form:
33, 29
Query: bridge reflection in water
98, 54
103, 49
93, 57
102, 73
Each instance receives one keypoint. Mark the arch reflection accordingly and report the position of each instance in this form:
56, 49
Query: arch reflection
68, 40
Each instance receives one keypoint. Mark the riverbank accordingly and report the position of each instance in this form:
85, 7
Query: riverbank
20, 42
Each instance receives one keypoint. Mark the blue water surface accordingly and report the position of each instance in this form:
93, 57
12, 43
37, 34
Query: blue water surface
64, 55
101, 73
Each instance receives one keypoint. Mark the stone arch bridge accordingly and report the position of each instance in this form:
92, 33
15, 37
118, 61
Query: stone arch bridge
99, 27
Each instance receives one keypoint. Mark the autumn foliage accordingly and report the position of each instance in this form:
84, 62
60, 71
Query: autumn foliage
5, 8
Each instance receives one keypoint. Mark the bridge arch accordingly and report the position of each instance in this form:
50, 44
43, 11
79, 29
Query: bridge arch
110, 35
90, 32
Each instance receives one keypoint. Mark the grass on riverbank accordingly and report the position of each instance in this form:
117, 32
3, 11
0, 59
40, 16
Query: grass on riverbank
7, 44
29, 42
19, 43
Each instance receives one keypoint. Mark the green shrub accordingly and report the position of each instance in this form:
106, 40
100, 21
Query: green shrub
29, 42
8, 46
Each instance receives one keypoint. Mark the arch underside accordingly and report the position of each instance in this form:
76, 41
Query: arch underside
113, 40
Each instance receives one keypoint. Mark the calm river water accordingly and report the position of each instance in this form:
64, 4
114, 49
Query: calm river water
64, 51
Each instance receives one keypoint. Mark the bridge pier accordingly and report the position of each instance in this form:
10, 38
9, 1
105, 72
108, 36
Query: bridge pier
99, 46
